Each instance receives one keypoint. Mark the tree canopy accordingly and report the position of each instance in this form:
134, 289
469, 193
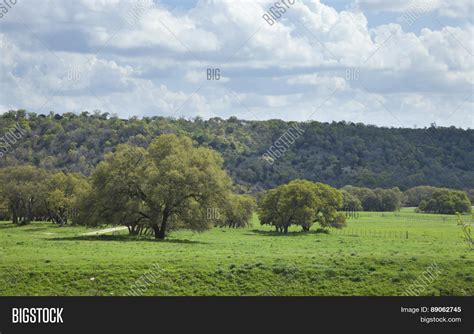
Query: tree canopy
350, 202
238, 211
376, 199
415, 195
169, 185
22, 189
447, 202
29, 193
337, 153
302, 203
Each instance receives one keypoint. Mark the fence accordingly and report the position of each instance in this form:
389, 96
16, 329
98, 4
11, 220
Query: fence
408, 217
374, 233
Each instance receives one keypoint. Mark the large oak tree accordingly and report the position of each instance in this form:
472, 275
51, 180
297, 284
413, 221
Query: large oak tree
172, 182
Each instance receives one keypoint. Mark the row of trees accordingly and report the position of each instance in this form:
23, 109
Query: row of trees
175, 184
28, 193
302, 203
425, 198
439, 200
415, 195
357, 199
171, 184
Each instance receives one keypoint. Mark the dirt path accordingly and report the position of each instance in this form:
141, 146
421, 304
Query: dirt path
107, 230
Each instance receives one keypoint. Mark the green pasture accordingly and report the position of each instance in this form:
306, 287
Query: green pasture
377, 254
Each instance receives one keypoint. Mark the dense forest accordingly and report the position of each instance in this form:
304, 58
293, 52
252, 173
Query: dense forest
337, 153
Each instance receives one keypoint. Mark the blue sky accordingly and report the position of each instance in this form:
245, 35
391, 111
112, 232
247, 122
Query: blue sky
389, 63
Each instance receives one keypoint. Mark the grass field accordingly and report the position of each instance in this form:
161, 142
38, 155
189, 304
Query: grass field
373, 256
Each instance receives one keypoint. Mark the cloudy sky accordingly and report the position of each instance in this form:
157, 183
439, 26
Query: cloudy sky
391, 63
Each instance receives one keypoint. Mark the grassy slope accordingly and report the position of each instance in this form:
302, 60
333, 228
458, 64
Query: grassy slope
372, 257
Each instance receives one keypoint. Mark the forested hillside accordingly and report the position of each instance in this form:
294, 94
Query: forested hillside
334, 153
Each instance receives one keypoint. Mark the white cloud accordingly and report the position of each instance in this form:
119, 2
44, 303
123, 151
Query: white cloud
453, 9
155, 64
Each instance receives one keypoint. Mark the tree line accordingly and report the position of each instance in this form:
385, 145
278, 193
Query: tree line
172, 184
425, 198
337, 153
439, 200
176, 183
29, 193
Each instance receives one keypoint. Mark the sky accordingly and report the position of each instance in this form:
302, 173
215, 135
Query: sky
399, 63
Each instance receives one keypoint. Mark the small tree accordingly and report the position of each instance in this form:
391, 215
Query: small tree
62, 194
350, 203
389, 199
366, 196
329, 200
466, 231
238, 211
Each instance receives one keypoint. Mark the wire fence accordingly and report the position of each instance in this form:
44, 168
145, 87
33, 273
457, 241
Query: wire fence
409, 217
363, 232
389, 234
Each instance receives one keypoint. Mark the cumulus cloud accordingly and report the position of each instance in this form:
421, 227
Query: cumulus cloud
454, 9
145, 57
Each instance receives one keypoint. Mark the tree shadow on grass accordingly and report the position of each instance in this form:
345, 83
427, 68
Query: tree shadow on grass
10, 225
26, 228
289, 234
36, 229
124, 238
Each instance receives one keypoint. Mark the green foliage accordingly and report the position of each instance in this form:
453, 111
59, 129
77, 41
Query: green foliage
238, 211
377, 199
63, 193
350, 202
22, 189
466, 231
335, 153
470, 194
292, 203
31, 193
114, 196
302, 203
446, 201
330, 200
169, 185
415, 195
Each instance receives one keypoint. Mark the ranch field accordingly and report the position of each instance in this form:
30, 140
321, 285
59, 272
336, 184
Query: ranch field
377, 254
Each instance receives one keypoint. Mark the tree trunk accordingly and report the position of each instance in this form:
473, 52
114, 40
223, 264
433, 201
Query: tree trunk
160, 232
156, 230
133, 229
60, 220
14, 217
160, 235
29, 213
